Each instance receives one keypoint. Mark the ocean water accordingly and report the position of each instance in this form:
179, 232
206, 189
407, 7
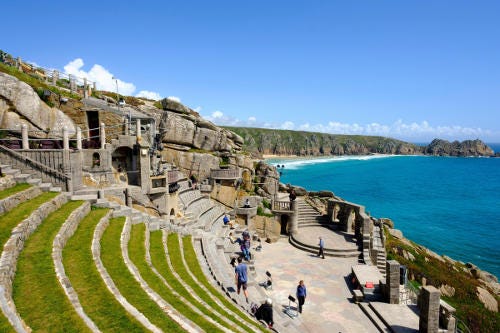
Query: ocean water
450, 205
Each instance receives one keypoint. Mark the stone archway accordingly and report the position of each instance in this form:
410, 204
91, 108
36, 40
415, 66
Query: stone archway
284, 219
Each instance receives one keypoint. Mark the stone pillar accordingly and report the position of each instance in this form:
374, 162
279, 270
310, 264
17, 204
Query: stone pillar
138, 131
78, 138
19, 64
65, 138
72, 84
294, 223
55, 77
127, 126
366, 237
85, 88
392, 281
429, 310
102, 133
95, 86
24, 134
128, 197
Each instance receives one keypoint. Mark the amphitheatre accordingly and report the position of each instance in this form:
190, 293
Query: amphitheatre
111, 221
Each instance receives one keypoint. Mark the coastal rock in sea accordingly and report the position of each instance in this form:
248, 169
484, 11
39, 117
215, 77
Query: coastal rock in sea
487, 299
322, 194
299, 191
387, 221
465, 148
396, 233
447, 290
20, 104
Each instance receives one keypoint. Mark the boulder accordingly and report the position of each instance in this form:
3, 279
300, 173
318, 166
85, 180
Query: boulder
20, 104
447, 290
387, 221
487, 299
396, 233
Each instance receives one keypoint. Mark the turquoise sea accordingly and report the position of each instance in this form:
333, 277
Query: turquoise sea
450, 205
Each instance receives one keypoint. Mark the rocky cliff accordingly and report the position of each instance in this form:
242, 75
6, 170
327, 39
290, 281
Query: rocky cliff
259, 142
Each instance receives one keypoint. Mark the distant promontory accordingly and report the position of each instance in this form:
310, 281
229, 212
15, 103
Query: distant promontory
261, 141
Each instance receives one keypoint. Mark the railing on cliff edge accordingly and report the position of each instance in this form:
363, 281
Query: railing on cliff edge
58, 178
51, 77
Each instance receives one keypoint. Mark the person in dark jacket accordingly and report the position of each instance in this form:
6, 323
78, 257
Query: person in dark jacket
301, 294
265, 312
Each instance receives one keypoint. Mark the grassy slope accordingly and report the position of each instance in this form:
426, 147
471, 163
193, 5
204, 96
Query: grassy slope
137, 254
97, 301
39, 298
125, 282
469, 308
13, 190
194, 266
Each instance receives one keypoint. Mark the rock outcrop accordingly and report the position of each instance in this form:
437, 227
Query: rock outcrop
20, 104
455, 148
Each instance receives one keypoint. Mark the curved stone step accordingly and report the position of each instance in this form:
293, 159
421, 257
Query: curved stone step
328, 251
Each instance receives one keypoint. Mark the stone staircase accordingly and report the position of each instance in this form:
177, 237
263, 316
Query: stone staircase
19, 177
308, 217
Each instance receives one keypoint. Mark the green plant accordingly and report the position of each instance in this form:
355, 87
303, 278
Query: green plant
266, 204
38, 296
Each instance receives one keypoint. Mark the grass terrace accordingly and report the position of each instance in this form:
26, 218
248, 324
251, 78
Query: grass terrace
97, 301
38, 296
194, 266
130, 289
13, 190
137, 253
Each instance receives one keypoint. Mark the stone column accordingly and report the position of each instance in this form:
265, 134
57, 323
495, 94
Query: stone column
24, 134
294, 223
72, 84
19, 64
65, 138
429, 310
138, 131
55, 77
102, 133
78, 138
85, 88
95, 86
392, 281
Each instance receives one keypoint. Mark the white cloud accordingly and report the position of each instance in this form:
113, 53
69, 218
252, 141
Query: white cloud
217, 114
174, 98
287, 125
252, 119
149, 95
198, 109
101, 76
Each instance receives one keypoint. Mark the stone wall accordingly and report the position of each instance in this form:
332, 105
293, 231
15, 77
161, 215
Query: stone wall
8, 203
13, 248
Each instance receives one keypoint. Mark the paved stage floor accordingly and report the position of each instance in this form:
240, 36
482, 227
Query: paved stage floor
329, 307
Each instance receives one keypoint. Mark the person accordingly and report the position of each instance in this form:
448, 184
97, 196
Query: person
245, 244
292, 195
265, 312
247, 203
301, 294
321, 248
227, 221
241, 277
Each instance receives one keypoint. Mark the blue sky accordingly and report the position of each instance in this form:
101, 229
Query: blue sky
412, 70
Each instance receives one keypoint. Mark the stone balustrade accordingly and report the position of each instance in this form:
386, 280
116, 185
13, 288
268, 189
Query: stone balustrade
225, 173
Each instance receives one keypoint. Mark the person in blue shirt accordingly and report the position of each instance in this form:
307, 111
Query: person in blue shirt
321, 247
301, 294
241, 277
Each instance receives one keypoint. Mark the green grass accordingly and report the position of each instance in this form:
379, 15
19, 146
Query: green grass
159, 260
97, 301
8, 221
13, 190
5, 326
11, 219
194, 266
35, 83
130, 289
39, 298
137, 254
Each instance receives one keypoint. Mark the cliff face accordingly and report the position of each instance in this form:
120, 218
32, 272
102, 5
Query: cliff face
455, 148
261, 141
